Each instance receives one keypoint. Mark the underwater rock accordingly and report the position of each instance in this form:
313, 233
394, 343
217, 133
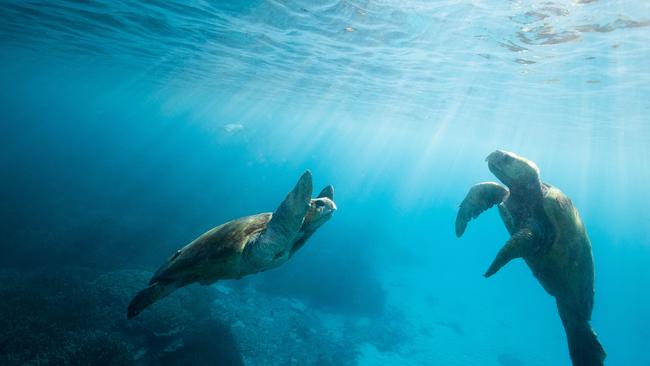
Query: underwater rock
209, 342
42, 316
274, 331
75, 316
280, 330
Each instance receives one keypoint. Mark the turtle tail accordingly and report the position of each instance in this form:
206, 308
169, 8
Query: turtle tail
584, 347
147, 297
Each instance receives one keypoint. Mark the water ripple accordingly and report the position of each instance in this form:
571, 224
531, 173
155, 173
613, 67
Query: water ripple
360, 48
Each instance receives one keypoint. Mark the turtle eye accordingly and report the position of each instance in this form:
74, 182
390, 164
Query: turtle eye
320, 204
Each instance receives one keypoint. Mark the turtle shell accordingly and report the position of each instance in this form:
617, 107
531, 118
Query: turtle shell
214, 255
565, 267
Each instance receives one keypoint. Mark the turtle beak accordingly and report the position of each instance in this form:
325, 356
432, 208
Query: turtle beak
496, 162
330, 210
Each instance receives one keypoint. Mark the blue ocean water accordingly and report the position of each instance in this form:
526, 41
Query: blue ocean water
128, 129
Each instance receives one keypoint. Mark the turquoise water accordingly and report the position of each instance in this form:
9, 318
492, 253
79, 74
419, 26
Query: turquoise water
129, 129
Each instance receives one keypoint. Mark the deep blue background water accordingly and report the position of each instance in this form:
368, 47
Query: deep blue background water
127, 130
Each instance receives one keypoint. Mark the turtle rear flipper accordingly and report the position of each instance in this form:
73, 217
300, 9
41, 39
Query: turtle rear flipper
146, 297
584, 347
479, 198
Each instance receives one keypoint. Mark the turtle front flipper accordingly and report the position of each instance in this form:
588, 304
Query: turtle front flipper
479, 198
327, 192
285, 222
520, 244
507, 218
287, 218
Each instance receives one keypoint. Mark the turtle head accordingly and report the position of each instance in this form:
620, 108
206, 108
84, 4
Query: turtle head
320, 210
513, 170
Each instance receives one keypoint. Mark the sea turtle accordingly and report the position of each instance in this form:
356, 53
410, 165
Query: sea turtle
547, 232
243, 246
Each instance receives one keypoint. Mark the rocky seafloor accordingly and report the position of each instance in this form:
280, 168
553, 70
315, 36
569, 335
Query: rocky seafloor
76, 316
